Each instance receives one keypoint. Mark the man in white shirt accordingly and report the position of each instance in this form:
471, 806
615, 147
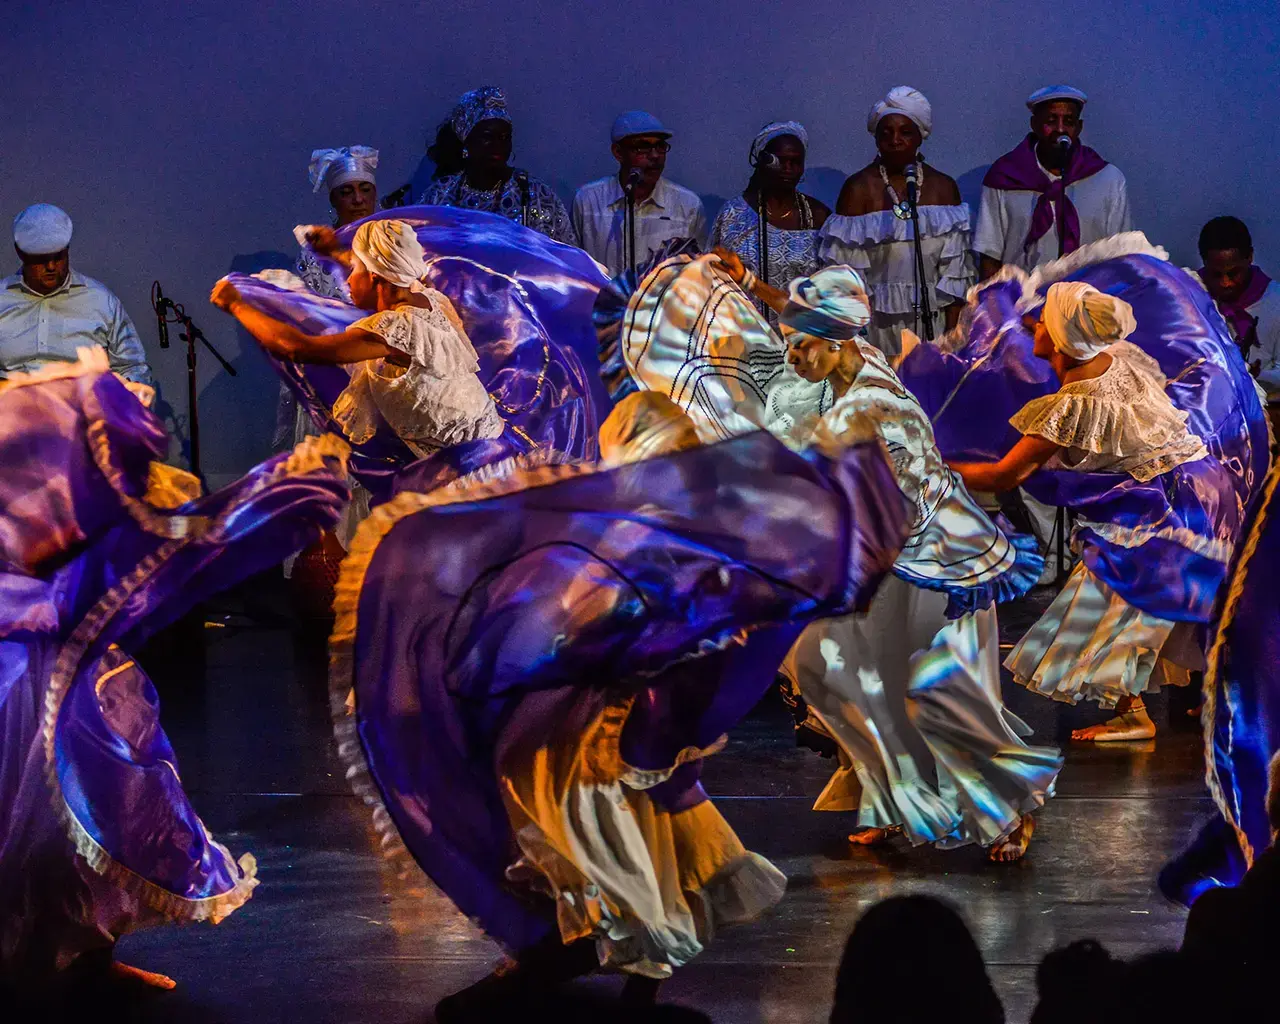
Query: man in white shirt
48, 310
1050, 195
664, 210
1247, 298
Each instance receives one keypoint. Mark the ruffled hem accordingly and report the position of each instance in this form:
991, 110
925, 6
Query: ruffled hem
1013, 582
882, 226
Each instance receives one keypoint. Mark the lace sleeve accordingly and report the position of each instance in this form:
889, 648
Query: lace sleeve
393, 327
1067, 419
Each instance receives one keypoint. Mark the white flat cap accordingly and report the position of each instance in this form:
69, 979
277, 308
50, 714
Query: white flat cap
42, 229
1056, 92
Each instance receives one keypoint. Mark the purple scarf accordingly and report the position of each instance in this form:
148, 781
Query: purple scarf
1236, 313
1021, 171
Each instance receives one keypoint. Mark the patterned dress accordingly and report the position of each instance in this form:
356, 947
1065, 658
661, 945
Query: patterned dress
792, 253
547, 213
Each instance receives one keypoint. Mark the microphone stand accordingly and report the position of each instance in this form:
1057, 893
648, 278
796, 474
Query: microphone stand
172, 313
629, 219
522, 179
923, 311
762, 233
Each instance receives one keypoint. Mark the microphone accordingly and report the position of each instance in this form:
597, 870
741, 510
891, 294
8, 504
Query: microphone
913, 184
634, 177
396, 198
160, 304
522, 180
1062, 148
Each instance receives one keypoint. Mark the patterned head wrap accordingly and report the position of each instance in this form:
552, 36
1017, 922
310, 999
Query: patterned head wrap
333, 167
642, 425
1083, 321
904, 100
830, 304
774, 130
390, 250
484, 104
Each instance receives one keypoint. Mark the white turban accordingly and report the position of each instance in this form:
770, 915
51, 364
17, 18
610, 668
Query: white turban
333, 167
41, 230
774, 130
904, 100
1083, 321
390, 250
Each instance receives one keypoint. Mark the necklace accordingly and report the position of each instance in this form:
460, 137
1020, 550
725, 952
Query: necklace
900, 208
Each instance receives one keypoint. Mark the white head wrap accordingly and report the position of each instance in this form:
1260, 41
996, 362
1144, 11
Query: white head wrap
1083, 321
390, 250
831, 303
333, 167
41, 230
904, 100
774, 130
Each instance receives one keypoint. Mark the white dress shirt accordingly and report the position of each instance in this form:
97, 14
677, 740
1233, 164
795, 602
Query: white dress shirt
670, 212
1101, 201
1267, 312
38, 329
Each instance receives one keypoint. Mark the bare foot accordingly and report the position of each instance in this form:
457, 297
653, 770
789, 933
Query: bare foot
873, 836
1014, 846
137, 976
1131, 725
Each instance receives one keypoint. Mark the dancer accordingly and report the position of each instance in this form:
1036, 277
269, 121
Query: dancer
1158, 446
101, 544
911, 691
583, 637
417, 367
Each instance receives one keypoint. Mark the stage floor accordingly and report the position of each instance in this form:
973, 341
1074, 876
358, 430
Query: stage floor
332, 936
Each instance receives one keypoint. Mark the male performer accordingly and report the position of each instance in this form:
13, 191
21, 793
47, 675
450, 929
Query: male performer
664, 210
1248, 298
1050, 195
48, 310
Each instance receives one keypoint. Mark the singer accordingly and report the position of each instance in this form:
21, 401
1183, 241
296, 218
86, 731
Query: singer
664, 210
48, 310
1050, 195
472, 153
777, 157
873, 227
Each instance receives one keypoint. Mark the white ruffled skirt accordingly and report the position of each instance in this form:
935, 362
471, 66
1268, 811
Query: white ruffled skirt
913, 702
1091, 643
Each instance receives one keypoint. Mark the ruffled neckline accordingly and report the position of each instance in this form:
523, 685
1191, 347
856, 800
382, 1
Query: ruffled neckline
882, 226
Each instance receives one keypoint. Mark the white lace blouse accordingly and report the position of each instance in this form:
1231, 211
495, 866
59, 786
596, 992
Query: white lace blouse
435, 401
881, 247
1118, 422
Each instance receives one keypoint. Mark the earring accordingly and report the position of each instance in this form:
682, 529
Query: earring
465, 153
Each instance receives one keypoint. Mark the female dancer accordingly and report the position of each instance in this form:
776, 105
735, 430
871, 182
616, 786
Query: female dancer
417, 367
1110, 415
873, 231
911, 691
100, 545
584, 636
1158, 445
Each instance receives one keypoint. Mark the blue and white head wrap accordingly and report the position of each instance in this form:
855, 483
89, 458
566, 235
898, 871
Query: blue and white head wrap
831, 304
484, 104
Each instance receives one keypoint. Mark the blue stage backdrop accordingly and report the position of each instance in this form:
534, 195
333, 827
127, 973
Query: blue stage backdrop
177, 134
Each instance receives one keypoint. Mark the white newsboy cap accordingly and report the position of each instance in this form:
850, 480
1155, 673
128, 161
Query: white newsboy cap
42, 229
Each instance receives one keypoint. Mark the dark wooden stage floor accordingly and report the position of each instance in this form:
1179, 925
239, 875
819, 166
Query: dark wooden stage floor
332, 936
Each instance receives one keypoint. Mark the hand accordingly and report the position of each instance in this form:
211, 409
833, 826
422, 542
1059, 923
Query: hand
731, 262
322, 239
1255, 367
224, 295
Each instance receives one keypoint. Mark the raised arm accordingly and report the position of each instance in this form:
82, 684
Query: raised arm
1023, 459
287, 342
774, 298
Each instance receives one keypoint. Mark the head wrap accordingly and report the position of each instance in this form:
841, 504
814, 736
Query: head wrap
904, 100
775, 130
1083, 321
41, 230
333, 167
830, 304
642, 425
1056, 92
390, 250
484, 104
